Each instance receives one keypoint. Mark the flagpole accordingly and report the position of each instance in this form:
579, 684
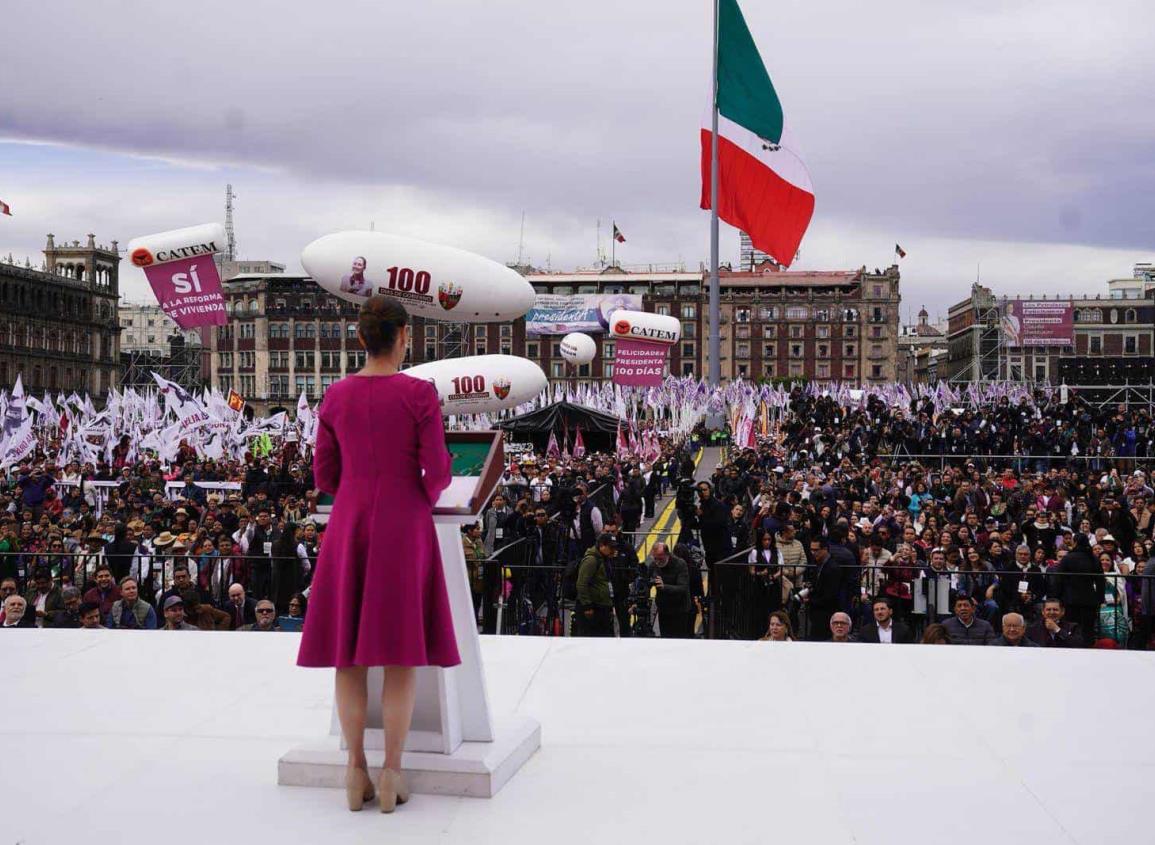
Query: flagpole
715, 320
614, 243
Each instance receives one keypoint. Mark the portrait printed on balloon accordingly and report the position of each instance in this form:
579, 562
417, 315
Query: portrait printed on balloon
354, 281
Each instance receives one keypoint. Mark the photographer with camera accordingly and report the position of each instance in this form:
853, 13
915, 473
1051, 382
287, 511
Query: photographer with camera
624, 570
686, 505
670, 577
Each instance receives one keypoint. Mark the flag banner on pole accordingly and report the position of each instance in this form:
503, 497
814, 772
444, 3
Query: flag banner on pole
236, 401
20, 445
764, 188
899, 251
5, 208
618, 236
552, 450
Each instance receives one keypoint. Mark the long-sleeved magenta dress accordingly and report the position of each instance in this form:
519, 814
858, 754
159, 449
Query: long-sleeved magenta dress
378, 596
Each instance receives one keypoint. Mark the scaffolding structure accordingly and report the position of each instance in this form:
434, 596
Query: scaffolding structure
988, 350
180, 363
453, 340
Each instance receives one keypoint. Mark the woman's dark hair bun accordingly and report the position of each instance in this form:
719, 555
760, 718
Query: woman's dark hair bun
379, 323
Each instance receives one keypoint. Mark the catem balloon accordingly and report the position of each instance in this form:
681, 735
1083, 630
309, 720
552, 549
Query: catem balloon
482, 384
177, 244
642, 325
578, 348
432, 281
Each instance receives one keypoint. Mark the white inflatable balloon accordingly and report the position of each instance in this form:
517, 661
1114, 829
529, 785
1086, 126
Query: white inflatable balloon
642, 325
482, 384
578, 348
177, 244
431, 281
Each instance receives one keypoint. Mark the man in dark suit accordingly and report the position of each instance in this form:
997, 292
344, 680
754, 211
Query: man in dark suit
1052, 631
241, 609
1079, 582
825, 587
713, 525
885, 628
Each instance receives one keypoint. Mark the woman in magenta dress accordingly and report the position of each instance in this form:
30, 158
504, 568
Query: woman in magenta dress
378, 596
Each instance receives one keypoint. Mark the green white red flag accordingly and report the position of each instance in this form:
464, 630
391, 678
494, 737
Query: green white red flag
763, 185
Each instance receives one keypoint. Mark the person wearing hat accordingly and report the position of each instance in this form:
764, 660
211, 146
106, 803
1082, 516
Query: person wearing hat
171, 554
174, 615
1118, 521
86, 562
227, 515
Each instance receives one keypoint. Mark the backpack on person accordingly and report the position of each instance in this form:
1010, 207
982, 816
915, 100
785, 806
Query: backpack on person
569, 579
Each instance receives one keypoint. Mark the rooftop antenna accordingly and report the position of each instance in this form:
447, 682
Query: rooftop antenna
521, 242
231, 250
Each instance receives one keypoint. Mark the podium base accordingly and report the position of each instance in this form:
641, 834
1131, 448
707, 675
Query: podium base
475, 769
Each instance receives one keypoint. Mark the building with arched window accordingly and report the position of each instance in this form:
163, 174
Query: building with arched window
58, 324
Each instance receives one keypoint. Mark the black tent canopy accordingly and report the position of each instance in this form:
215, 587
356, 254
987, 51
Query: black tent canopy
597, 427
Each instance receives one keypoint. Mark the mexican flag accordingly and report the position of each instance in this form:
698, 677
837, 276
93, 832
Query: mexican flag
763, 186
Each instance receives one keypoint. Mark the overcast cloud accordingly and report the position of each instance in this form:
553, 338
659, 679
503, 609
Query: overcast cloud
1016, 134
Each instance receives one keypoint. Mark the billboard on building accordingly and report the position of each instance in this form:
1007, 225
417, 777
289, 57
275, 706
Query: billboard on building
582, 312
1038, 322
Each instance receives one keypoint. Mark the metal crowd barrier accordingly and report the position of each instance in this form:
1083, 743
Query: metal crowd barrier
78, 569
1022, 462
741, 600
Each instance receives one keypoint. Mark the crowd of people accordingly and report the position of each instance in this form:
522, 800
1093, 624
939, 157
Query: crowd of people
874, 522
210, 545
1013, 522
959, 525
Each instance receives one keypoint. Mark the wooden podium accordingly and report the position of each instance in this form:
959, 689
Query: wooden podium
455, 747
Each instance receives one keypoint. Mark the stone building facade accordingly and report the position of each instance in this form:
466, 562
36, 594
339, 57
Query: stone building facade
288, 336
922, 348
58, 324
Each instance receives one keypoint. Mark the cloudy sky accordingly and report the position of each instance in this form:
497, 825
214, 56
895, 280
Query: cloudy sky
1016, 135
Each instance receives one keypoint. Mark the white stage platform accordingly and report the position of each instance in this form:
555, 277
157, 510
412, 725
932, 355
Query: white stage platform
108, 736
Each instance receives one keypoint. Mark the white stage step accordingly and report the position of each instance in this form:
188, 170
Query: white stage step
179, 734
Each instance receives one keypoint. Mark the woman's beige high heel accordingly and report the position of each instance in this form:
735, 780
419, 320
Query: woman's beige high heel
393, 790
358, 788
